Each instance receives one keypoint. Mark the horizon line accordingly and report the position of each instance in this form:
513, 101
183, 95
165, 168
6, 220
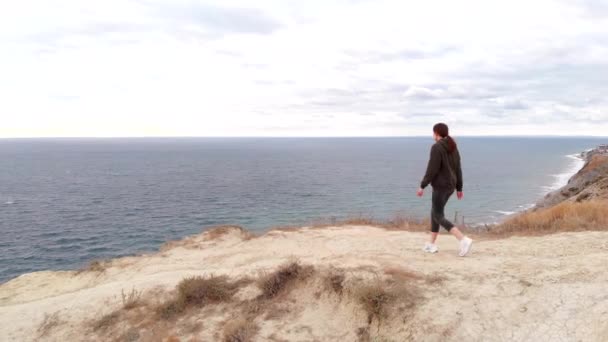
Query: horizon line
307, 136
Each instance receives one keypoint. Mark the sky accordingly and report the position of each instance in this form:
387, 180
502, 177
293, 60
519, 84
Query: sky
72, 68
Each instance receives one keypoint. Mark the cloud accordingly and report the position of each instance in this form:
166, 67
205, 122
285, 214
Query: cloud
592, 8
219, 20
510, 104
387, 67
422, 93
406, 54
183, 20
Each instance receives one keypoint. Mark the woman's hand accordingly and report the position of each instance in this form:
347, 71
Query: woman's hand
420, 192
460, 195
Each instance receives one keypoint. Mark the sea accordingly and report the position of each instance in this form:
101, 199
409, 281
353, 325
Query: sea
65, 202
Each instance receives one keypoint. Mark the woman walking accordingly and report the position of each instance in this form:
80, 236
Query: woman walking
445, 175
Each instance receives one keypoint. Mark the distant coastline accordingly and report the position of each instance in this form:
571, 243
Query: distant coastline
587, 183
580, 160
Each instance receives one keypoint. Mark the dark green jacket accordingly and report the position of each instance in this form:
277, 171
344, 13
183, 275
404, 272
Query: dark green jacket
443, 171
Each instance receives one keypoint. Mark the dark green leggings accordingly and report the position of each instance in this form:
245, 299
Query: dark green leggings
440, 198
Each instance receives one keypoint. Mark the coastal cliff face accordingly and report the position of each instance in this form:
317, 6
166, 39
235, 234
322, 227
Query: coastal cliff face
589, 183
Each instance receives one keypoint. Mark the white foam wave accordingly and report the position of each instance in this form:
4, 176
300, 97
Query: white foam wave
505, 212
561, 179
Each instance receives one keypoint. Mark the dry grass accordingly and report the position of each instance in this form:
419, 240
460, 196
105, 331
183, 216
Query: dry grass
282, 279
48, 323
131, 300
596, 161
382, 297
97, 266
399, 221
198, 292
106, 321
125, 314
170, 309
208, 234
219, 231
374, 299
566, 216
377, 296
239, 330
333, 280
254, 307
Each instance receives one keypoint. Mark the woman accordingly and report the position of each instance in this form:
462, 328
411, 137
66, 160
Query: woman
445, 175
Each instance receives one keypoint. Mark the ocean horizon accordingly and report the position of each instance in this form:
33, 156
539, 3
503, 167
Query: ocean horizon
67, 201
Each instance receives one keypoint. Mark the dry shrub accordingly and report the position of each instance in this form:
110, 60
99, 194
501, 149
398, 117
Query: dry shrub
274, 283
401, 221
170, 309
373, 298
376, 296
219, 231
198, 292
333, 280
208, 234
106, 321
239, 330
566, 216
97, 266
131, 300
254, 307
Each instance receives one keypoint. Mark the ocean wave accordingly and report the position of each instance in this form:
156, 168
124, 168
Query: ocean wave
504, 212
561, 179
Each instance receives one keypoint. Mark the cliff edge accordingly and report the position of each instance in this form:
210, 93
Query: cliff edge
589, 183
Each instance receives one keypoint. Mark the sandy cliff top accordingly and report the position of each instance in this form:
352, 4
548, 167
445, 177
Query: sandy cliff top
541, 288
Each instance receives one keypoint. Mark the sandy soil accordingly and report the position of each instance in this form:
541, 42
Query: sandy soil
549, 288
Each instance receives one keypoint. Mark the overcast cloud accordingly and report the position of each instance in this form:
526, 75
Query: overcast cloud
302, 68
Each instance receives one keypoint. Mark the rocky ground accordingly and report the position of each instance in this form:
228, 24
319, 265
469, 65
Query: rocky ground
590, 183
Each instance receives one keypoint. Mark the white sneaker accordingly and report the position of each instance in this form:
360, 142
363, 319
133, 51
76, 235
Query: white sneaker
465, 246
430, 248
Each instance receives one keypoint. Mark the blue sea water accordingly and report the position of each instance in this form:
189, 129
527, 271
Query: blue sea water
65, 202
